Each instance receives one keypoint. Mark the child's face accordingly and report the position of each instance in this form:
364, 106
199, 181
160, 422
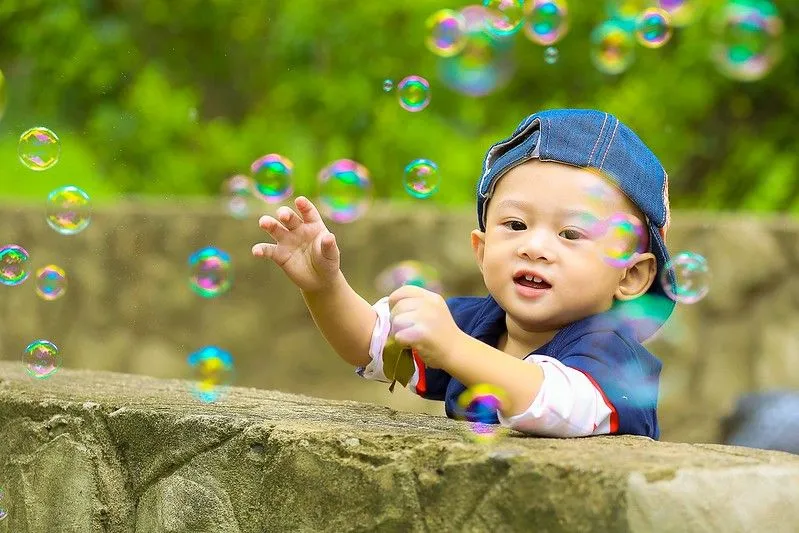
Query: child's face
537, 224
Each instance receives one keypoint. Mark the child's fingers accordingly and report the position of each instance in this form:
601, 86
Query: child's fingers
329, 248
264, 249
308, 211
273, 227
288, 218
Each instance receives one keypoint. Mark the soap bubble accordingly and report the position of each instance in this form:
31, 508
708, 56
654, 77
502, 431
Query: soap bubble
39, 148
13, 265
446, 33
626, 10
421, 178
505, 17
69, 210
51, 282
409, 272
212, 369
272, 176
624, 237
547, 21
612, 47
211, 273
479, 405
345, 190
682, 12
551, 55
413, 93
692, 277
237, 193
749, 39
388, 85
41, 359
653, 28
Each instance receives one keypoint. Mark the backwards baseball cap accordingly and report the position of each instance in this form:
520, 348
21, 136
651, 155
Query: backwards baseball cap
599, 142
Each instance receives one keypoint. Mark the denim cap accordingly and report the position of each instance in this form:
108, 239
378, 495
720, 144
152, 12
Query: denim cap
599, 142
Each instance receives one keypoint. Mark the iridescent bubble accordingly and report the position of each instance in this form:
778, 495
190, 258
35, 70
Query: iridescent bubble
626, 10
653, 27
272, 175
749, 39
237, 195
505, 17
551, 55
446, 33
485, 64
41, 359
421, 178
51, 282
409, 272
211, 273
13, 265
413, 93
479, 406
212, 370
624, 237
39, 148
69, 210
692, 278
388, 85
345, 190
612, 47
547, 21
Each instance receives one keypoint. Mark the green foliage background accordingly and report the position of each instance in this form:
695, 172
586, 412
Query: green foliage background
168, 98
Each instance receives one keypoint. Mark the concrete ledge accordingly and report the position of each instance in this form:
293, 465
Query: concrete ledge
98, 451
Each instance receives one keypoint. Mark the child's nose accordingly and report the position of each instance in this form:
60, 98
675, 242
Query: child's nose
536, 244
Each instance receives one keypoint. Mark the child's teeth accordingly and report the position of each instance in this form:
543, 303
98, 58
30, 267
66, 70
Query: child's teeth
528, 277
537, 279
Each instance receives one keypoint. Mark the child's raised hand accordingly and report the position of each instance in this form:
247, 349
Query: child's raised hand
304, 248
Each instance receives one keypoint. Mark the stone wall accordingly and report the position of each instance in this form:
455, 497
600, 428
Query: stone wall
128, 307
92, 452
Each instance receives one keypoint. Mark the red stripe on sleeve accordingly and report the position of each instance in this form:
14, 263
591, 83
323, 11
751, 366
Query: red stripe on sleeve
421, 385
614, 415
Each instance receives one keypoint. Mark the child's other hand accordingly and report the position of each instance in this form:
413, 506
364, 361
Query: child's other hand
421, 319
304, 248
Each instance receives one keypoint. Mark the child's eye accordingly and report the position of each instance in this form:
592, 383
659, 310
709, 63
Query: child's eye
571, 234
515, 225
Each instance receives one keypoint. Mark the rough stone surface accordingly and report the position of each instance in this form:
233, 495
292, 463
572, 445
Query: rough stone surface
129, 309
91, 451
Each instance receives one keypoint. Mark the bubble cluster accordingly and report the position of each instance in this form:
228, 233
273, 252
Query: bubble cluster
413, 93
409, 272
551, 55
388, 85
547, 21
41, 359
272, 176
653, 28
612, 47
13, 265
345, 190
421, 178
69, 210
749, 39
39, 148
446, 33
691, 275
479, 406
51, 282
624, 237
211, 273
212, 370
505, 17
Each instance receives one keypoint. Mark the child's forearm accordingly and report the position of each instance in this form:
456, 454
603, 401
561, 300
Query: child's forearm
345, 319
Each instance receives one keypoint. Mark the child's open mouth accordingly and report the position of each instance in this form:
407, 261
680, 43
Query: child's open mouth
532, 282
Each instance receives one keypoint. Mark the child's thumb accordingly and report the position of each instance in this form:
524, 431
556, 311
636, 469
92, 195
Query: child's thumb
329, 247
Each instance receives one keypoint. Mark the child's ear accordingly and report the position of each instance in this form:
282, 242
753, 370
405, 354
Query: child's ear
478, 245
638, 277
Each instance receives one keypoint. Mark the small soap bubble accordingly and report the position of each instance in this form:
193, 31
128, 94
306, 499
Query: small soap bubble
13, 265
345, 190
238, 184
237, 195
39, 148
653, 28
421, 178
551, 55
446, 33
612, 47
212, 371
625, 236
272, 175
388, 85
749, 42
682, 12
479, 406
69, 210
409, 272
691, 278
41, 359
51, 282
211, 273
547, 21
505, 17
413, 93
